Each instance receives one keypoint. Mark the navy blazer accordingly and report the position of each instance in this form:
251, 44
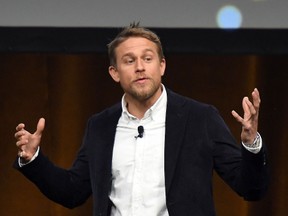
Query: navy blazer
197, 141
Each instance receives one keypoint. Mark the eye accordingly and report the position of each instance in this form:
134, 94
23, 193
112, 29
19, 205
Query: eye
128, 60
148, 58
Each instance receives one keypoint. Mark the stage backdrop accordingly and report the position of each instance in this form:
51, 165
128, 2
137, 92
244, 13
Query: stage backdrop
66, 89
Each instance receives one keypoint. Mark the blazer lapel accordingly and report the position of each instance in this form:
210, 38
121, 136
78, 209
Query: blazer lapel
101, 156
175, 127
107, 133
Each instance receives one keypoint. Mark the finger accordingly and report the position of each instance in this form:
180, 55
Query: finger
22, 154
19, 134
40, 127
248, 107
256, 98
245, 106
20, 127
21, 143
237, 116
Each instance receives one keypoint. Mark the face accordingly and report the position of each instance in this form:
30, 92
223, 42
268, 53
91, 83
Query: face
139, 69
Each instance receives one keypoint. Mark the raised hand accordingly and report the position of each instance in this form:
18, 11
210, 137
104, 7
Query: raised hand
28, 143
250, 119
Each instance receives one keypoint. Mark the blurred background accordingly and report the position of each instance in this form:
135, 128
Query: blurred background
53, 64
66, 89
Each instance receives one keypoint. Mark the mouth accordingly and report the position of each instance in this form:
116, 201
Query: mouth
141, 80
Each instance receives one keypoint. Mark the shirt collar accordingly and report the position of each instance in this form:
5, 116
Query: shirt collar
156, 112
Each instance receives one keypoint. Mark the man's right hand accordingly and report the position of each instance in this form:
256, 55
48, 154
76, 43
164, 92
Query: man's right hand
28, 143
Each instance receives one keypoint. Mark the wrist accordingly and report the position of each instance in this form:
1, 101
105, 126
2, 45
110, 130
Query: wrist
22, 162
256, 146
253, 142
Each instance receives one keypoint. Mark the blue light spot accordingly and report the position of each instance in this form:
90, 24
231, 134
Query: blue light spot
229, 16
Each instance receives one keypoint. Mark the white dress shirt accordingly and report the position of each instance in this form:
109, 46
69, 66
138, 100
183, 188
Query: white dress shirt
138, 184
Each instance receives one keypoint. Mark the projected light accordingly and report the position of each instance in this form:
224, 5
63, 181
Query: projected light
229, 16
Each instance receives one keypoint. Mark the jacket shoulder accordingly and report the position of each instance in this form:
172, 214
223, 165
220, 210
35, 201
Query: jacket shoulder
106, 118
110, 112
184, 101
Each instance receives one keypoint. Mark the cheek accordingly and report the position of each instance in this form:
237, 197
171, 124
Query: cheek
126, 73
124, 79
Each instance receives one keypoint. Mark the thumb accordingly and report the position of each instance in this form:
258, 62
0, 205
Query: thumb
40, 127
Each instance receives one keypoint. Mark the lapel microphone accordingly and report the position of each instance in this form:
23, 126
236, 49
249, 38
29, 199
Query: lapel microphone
140, 131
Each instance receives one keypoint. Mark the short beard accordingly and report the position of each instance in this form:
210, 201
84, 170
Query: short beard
143, 95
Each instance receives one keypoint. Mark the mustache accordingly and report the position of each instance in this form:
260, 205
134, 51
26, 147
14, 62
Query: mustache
141, 77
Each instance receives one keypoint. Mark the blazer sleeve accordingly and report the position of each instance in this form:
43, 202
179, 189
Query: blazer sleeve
245, 172
69, 188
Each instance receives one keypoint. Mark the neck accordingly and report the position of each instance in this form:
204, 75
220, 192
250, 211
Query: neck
138, 108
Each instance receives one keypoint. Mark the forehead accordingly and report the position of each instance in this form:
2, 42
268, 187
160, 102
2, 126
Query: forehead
134, 45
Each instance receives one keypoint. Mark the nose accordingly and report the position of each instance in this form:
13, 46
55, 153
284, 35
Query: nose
140, 66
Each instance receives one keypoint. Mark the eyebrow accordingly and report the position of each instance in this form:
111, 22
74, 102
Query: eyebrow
132, 54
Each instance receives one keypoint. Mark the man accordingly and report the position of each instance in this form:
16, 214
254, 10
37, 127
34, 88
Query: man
153, 153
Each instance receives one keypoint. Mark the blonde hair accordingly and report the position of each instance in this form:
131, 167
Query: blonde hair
134, 30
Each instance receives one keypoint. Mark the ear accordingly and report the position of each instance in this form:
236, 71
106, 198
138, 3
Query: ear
114, 74
162, 66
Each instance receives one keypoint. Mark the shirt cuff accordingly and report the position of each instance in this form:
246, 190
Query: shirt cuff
256, 146
20, 162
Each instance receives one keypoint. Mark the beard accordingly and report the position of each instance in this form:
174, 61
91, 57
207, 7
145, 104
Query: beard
143, 92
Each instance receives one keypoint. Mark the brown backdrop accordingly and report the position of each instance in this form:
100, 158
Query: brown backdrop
67, 89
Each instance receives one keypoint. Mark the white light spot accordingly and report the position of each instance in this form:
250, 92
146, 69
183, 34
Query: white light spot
229, 16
